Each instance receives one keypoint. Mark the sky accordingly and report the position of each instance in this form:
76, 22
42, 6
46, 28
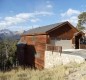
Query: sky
19, 15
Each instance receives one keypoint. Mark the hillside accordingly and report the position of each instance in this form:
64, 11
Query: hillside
70, 71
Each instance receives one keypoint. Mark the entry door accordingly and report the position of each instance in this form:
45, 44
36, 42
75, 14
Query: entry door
76, 42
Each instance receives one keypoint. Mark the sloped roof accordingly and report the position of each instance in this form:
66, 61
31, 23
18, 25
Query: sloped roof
43, 29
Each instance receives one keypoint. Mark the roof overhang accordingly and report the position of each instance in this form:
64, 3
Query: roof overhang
34, 34
61, 26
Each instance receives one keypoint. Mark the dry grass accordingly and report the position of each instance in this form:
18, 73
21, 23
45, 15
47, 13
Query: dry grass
58, 73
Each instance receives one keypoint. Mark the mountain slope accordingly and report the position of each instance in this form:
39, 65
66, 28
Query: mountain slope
5, 33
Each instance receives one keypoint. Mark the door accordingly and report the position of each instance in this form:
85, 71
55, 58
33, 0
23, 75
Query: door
76, 42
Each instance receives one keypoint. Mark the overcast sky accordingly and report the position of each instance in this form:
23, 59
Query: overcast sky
26, 14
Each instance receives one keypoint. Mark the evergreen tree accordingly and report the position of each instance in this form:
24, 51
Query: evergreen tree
7, 53
81, 21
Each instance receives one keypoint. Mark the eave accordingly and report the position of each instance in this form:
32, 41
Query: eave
35, 34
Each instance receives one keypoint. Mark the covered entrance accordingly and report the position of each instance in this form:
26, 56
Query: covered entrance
78, 36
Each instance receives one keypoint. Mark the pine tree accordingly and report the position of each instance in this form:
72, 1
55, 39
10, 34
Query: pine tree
81, 21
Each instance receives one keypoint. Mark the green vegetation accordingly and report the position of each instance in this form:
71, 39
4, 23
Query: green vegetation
81, 21
7, 53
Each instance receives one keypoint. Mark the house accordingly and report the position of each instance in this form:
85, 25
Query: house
34, 42
83, 40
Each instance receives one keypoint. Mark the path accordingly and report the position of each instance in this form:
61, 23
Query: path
80, 72
79, 52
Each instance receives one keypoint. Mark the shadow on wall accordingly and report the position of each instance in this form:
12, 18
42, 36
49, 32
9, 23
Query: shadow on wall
26, 55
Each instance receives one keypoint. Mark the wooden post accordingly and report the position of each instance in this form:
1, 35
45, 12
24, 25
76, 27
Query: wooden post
60, 50
46, 47
79, 43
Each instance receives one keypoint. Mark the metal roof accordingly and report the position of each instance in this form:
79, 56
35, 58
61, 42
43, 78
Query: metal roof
42, 29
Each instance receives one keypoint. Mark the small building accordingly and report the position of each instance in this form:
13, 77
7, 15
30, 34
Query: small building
34, 42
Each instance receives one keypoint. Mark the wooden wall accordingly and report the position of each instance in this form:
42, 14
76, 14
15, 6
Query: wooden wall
64, 32
82, 46
39, 43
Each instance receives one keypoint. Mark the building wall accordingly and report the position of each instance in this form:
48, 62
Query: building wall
62, 36
65, 32
53, 59
66, 44
82, 46
38, 42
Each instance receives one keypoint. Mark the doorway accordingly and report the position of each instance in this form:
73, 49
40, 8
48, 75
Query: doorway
26, 55
77, 42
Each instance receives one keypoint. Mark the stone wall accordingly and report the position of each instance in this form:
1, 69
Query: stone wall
53, 59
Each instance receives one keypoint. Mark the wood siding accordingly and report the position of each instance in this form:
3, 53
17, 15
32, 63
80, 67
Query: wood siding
82, 46
64, 32
39, 43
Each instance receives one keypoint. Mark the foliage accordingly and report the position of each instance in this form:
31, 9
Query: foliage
7, 53
81, 21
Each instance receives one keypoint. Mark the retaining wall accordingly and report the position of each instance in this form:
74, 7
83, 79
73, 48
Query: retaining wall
53, 59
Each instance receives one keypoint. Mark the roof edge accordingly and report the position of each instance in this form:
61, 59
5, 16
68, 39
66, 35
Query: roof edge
66, 22
34, 34
56, 27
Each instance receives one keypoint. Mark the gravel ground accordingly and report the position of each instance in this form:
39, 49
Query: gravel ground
80, 72
79, 52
